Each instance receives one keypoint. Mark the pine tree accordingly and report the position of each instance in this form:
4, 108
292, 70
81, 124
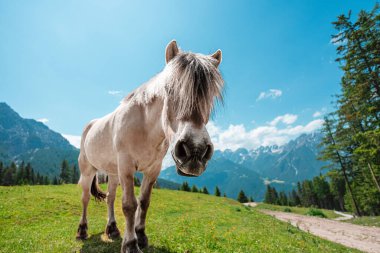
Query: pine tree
194, 188
333, 151
251, 199
32, 177
1, 172
46, 180
337, 189
20, 174
283, 199
269, 195
75, 174
353, 138
217, 191
10, 175
242, 198
322, 192
185, 187
137, 181
39, 179
275, 196
65, 176
204, 190
294, 199
28, 174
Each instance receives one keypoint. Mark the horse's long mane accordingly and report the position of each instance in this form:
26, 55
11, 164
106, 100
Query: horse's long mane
194, 82
190, 81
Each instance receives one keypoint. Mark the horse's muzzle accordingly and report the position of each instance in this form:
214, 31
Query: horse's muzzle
190, 158
190, 168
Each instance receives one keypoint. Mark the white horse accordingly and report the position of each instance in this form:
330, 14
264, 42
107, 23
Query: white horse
172, 108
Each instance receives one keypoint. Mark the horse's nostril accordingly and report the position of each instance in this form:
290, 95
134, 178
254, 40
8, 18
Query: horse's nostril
181, 150
208, 152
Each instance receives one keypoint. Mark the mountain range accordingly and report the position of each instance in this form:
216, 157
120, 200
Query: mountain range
252, 170
242, 169
32, 141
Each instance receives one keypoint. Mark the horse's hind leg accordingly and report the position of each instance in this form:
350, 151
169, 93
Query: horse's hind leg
87, 175
111, 230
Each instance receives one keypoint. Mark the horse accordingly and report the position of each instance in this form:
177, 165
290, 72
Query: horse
170, 110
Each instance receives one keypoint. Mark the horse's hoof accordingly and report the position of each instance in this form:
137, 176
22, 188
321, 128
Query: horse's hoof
130, 247
82, 232
112, 231
142, 239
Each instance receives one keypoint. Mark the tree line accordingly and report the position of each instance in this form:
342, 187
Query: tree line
22, 174
351, 143
242, 198
323, 191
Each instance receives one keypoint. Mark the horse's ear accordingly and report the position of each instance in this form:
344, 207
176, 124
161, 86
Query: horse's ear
218, 57
171, 50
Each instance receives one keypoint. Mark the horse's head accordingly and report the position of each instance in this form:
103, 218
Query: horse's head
193, 83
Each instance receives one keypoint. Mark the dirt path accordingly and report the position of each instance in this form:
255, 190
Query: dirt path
363, 238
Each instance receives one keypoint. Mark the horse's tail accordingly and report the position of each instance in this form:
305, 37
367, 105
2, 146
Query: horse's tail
96, 191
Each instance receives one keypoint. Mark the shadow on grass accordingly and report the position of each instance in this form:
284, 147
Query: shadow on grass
100, 244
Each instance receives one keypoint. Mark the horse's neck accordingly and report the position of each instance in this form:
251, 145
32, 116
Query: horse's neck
154, 88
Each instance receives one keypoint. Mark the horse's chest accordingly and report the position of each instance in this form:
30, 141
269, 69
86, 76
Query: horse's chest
149, 156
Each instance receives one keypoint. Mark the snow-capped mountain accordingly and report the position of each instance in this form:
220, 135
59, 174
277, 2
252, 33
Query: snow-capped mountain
282, 166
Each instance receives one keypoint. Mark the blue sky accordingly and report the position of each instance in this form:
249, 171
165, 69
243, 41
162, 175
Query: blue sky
67, 62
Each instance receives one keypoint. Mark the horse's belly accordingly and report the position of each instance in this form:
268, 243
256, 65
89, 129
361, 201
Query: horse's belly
99, 149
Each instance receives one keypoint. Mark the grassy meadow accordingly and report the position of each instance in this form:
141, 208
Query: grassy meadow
371, 221
45, 219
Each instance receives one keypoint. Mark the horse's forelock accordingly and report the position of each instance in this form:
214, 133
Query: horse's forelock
194, 83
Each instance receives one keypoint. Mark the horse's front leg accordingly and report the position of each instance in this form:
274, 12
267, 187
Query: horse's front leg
111, 230
143, 205
129, 205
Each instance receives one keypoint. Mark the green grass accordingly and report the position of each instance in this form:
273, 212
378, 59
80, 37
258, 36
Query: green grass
316, 212
372, 221
298, 210
45, 219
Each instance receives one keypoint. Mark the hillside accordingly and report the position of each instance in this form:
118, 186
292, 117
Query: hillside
161, 183
45, 218
230, 177
31, 141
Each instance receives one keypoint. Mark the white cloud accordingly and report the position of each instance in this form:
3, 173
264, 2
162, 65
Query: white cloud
287, 119
237, 136
320, 112
267, 181
115, 92
43, 120
73, 139
272, 93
